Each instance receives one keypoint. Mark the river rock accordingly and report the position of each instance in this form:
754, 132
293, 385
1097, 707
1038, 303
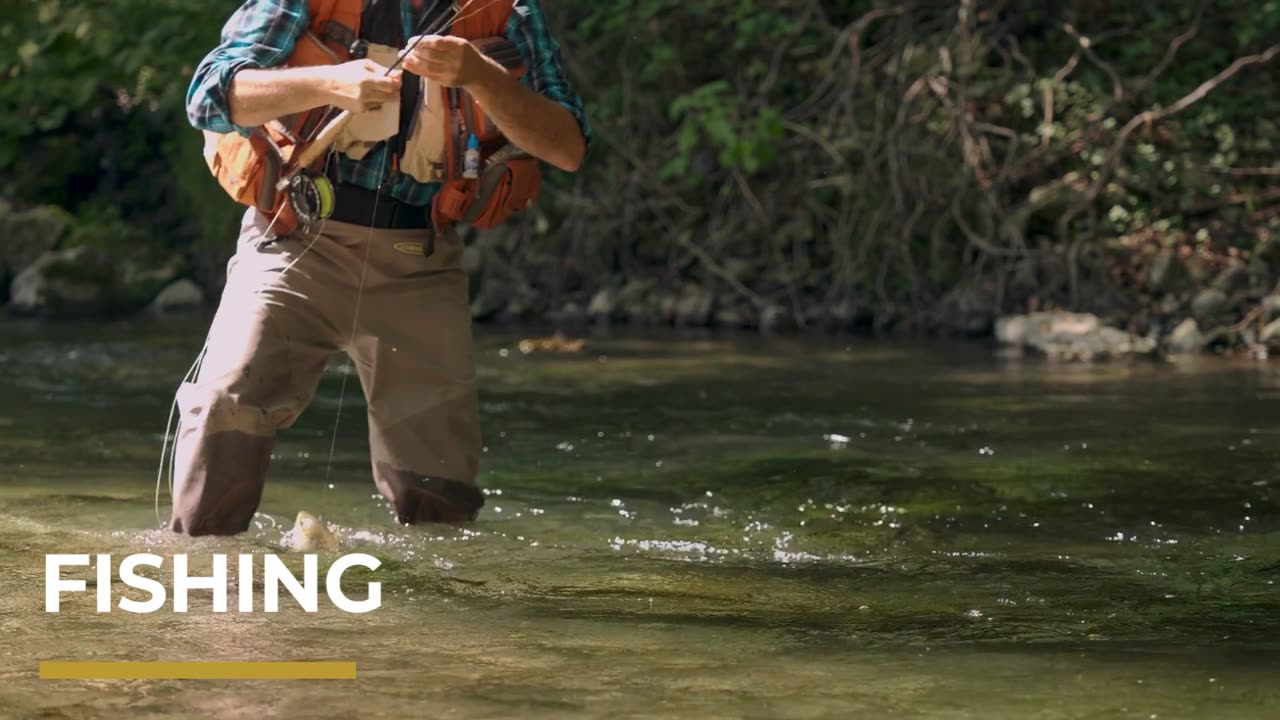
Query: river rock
602, 305
1209, 304
27, 235
1069, 336
1167, 273
1187, 338
66, 282
181, 296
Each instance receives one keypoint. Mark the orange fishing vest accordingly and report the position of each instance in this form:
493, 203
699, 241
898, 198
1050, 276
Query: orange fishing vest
248, 168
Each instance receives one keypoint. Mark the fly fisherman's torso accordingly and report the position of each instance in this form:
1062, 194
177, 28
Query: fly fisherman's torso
355, 250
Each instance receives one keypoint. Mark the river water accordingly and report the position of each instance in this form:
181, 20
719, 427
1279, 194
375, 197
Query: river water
707, 528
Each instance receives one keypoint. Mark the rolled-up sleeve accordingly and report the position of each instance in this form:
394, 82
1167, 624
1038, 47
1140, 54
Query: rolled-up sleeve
546, 74
260, 34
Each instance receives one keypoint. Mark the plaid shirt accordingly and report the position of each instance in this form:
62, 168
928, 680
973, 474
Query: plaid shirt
261, 34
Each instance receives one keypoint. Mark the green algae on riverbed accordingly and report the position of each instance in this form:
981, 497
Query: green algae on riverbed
727, 528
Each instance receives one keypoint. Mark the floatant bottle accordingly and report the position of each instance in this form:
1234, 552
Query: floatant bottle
471, 160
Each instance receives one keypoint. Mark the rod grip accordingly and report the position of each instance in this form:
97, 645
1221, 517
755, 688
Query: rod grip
323, 141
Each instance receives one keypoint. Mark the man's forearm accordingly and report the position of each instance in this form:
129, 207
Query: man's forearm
259, 96
541, 127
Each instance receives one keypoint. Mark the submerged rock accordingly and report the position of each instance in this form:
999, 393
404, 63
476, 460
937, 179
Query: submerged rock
1069, 336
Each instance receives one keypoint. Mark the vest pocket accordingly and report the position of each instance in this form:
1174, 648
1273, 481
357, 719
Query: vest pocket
504, 190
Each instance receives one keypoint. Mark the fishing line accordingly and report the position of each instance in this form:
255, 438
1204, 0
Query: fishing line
193, 373
454, 14
355, 318
164, 446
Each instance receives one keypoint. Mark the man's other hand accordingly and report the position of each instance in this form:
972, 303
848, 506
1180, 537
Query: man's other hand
446, 59
361, 85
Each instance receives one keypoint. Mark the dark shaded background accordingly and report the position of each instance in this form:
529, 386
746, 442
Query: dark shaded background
866, 166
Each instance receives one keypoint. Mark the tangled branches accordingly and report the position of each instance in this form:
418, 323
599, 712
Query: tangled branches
917, 167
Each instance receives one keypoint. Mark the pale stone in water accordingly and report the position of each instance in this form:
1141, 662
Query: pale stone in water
1069, 336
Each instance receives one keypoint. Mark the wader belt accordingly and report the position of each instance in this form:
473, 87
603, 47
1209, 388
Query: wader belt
357, 206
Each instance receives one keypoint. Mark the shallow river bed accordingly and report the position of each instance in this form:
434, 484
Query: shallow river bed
715, 527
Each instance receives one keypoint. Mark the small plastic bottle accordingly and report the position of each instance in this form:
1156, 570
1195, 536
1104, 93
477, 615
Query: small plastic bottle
471, 161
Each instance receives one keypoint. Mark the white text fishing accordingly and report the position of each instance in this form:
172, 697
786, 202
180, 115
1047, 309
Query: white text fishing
275, 574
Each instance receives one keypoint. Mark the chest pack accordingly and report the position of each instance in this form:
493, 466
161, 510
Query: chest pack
441, 135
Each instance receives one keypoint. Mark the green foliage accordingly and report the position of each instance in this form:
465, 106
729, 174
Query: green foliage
848, 153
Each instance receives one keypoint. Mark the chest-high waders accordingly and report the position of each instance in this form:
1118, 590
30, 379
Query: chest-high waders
358, 283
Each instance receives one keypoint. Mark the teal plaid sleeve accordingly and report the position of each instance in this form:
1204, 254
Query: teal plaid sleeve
546, 75
260, 34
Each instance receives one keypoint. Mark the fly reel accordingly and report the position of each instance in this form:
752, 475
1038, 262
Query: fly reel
311, 195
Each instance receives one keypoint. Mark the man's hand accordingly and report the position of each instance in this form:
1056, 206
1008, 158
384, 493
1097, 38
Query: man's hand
448, 60
361, 85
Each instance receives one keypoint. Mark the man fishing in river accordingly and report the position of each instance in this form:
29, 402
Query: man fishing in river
360, 133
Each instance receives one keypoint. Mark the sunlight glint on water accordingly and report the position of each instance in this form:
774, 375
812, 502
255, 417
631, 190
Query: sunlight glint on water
677, 529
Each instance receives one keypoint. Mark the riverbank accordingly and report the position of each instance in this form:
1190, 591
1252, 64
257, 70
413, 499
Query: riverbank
1174, 302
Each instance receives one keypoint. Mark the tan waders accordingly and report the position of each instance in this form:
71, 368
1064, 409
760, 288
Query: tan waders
289, 305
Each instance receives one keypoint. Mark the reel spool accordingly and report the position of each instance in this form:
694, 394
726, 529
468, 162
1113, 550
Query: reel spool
311, 195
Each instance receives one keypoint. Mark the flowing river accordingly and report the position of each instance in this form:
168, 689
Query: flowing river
714, 527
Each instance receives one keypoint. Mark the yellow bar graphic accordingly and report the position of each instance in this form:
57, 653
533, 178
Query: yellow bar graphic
197, 671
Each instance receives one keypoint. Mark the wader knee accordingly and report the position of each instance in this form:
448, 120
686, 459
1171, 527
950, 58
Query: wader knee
418, 499
222, 488
221, 458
